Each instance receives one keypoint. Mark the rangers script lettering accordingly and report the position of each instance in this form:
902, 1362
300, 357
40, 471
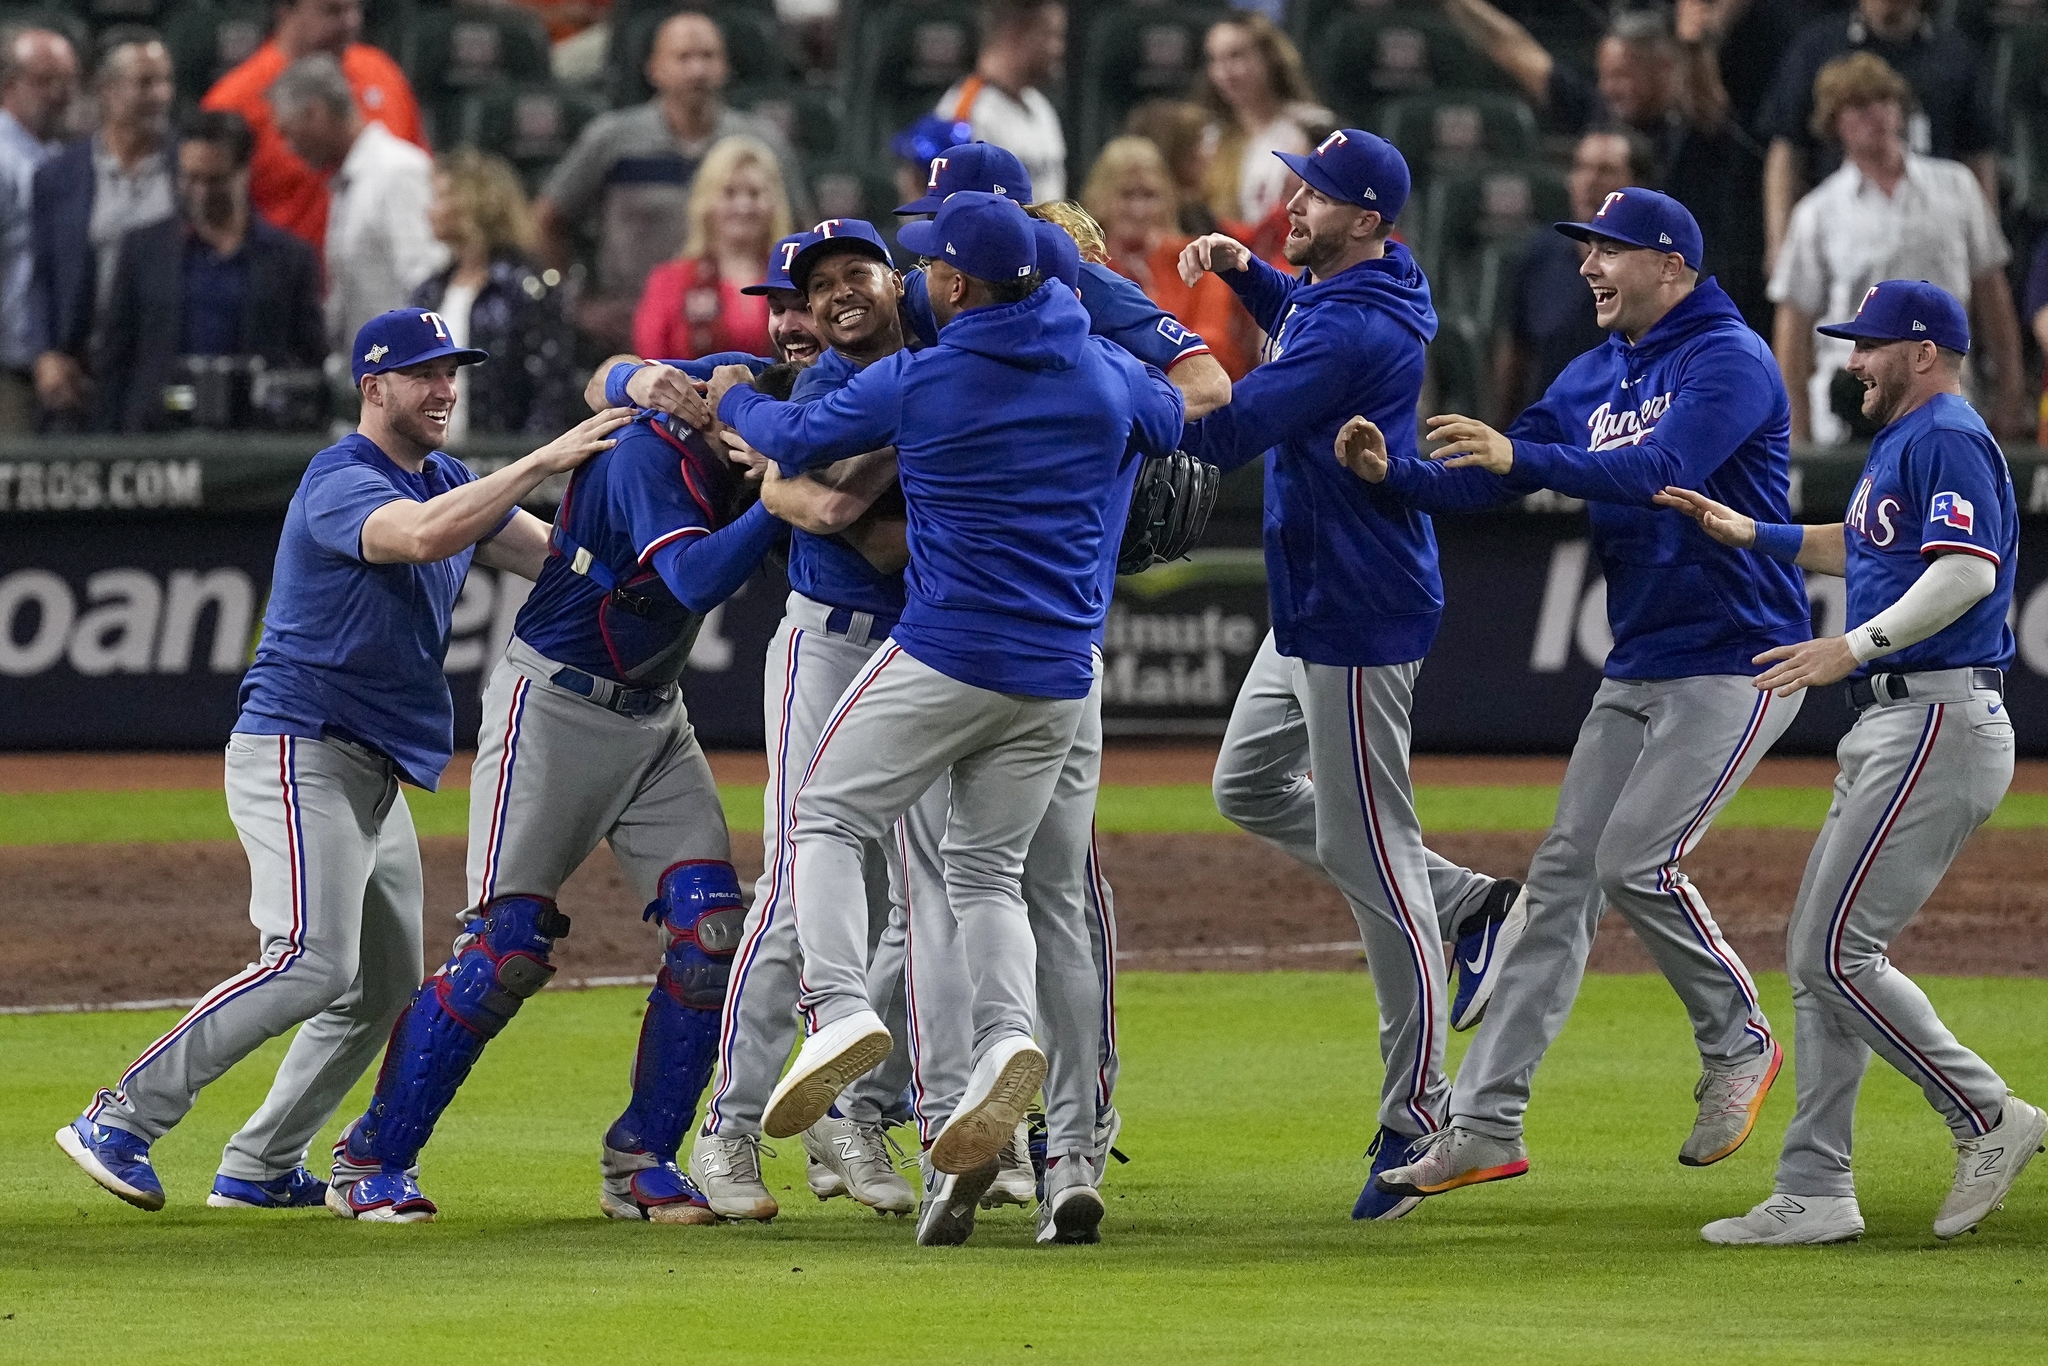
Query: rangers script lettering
1608, 429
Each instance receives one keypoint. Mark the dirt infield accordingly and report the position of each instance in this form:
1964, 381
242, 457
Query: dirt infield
128, 922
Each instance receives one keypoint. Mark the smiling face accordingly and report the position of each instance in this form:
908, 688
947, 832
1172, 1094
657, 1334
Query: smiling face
1627, 283
853, 300
1887, 370
1321, 229
791, 329
417, 401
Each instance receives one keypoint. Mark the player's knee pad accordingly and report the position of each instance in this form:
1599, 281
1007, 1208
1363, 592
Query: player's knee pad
701, 908
497, 965
671, 1067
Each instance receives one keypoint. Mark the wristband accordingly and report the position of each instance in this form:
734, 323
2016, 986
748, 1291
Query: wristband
1780, 540
615, 379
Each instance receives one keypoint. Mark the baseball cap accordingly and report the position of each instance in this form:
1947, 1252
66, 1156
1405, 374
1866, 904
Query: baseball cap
983, 235
1059, 256
979, 166
1357, 167
856, 235
1906, 310
780, 258
406, 336
1642, 218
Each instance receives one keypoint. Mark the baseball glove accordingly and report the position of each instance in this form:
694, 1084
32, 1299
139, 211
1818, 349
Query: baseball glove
1169, 510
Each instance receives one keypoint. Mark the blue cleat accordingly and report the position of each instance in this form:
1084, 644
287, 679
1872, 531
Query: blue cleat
1484, 941
640, 1185
115, 1158
384, 1198
1390, 1148
297, 1189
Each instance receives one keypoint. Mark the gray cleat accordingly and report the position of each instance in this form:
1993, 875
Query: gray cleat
947, 1219
1790, 1221
858, 1156
728, 1172
1730, 1100
1454, 1157
1986, 1167
1072, 1209
1016, 1182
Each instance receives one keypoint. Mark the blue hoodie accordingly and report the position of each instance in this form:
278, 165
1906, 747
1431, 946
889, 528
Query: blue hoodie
1697, 403
1013, 438
1117, 309
1351, 567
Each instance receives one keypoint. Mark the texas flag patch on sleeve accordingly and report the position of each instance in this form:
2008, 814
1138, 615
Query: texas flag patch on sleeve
1952, 509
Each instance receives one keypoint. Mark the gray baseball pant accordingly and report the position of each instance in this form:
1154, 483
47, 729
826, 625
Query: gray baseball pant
1357, 825
1655, 762
1918, 776
335, 893
808, 669
1074, 927
899, 727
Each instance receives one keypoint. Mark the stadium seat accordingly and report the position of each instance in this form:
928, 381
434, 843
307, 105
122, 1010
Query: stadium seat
904, 56
1132, 53
1368, 57
458, 52
206, 42
530, 126
848, 193
753, 45
1455, 128
1464, 212
808, 118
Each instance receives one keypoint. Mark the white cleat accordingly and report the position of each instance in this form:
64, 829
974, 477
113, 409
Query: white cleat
1730, 1099
1072, 1209
830, 1060
1791, 1221
856, 1157
728, 1172
947, 1216
999, 1091
1986, 1166
823, 1181
1016, 1180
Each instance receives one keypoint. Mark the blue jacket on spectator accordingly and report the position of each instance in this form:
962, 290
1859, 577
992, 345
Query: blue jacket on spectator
1697, 403
519, 320
1351, 568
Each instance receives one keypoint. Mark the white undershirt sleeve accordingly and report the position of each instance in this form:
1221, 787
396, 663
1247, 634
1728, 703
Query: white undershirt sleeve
1951, 586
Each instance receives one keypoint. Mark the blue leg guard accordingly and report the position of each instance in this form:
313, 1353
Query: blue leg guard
497, 965
701, 908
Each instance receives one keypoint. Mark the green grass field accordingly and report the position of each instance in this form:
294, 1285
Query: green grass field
202, 814
1248, 1101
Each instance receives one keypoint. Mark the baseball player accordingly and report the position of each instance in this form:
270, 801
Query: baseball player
345, 700
987, 672
1356, 602
1682, 393
585, 737
1928, 551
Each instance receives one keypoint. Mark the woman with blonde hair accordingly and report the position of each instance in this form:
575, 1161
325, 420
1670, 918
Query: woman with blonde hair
1260, 102
707, 299
493, 297
1130, 192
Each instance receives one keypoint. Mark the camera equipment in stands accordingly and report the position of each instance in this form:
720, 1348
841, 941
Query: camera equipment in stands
243, 393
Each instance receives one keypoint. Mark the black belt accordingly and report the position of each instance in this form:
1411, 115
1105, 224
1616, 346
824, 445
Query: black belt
840, 621
1866, 692
614, 696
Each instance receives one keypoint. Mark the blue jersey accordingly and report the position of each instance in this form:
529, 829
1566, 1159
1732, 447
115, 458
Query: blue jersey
351, 649
1117, 309
1935, 484
825, 568
638, 509
1013, 438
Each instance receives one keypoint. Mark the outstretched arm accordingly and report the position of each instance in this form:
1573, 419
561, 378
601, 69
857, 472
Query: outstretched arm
1819, 548
1426, 484
863, 416
703, 571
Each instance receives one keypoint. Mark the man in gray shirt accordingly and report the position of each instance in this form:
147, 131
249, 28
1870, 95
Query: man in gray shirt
38, 81
631, 169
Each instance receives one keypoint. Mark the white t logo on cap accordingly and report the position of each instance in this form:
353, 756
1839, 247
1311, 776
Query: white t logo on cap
1336, 139
440, 328
789, 251
938, 165
1612, 199
827, 228
1868, 295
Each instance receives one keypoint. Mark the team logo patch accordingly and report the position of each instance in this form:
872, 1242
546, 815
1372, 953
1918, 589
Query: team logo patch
1919, 326
1664, 238
1174, 332
376, 353
440, 327
1868, 295
938, 165
1613, 198
789, 251
1336, 139
1952, 509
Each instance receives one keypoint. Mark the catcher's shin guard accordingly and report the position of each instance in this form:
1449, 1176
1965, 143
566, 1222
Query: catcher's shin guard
497, 965
700, 906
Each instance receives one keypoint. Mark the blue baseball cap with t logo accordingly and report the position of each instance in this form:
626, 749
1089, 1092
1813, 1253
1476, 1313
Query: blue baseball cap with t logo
979, 166
406, 336
1059, 256
780, 258
1906, 310
1642, 218
983, 235
834, 235
1358, 168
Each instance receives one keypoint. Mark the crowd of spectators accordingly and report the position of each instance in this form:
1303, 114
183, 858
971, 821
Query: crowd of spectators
1821, 144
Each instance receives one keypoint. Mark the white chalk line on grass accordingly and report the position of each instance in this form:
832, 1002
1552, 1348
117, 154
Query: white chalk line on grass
586, 983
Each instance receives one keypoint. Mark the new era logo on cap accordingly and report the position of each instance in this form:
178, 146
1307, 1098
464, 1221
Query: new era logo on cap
1919, 326
1664, 239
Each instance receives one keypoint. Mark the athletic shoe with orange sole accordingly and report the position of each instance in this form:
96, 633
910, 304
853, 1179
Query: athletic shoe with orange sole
1454, 1157
1730, 1100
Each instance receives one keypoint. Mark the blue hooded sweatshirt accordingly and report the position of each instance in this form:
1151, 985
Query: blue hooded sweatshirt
1351, 567
1697, 403
1013, 441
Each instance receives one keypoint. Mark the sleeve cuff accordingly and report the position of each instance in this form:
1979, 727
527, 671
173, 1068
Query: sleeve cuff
615, 382
671, 538
1958, 548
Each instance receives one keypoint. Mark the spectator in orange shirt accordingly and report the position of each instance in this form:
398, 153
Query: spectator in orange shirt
695, 305
287, 191
1130, 192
